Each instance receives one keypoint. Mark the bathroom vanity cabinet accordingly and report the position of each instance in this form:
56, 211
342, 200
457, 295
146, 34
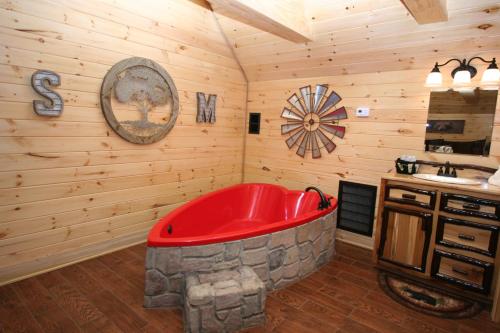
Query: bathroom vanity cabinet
445, 235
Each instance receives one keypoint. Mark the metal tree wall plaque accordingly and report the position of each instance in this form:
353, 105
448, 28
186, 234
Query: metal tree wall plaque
39, 81
311, 122
139, 100
206, 110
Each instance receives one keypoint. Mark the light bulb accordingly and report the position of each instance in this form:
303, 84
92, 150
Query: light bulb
490, 79
434, 80
461, 78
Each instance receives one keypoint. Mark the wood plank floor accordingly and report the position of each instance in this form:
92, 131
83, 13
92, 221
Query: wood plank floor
105, 295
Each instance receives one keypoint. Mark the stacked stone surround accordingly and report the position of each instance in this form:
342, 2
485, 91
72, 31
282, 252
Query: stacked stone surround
223, 302
279, 259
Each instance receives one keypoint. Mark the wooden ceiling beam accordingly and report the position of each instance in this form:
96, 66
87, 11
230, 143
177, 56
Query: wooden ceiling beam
427, 11
284, 18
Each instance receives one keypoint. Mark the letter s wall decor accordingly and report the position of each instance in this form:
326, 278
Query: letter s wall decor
39, 80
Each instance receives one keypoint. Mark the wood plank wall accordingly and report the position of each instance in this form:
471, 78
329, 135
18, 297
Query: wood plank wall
396, 126
70, 188
373, 54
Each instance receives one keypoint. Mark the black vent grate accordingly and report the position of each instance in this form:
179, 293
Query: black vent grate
356, 207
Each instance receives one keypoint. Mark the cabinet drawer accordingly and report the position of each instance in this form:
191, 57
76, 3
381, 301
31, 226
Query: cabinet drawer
410, 196
466, 235
463, 271
470, 206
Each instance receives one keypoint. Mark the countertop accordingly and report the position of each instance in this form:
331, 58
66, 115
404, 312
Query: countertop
483, 188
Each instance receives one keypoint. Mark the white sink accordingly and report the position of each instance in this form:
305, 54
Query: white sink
450, 180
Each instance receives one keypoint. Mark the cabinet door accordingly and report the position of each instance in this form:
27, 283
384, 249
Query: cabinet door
405, 237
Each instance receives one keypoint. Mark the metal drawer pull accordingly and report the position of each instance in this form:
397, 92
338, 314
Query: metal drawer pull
467, 237
459, 270
409, 196
471, 206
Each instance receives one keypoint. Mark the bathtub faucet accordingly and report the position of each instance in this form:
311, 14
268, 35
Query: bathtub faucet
324, 203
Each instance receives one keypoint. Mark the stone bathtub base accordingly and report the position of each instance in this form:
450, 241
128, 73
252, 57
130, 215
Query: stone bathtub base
279, 259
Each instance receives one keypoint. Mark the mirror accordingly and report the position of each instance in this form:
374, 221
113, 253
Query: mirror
461, 122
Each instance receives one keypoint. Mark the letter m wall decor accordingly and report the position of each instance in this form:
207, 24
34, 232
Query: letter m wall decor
206, 110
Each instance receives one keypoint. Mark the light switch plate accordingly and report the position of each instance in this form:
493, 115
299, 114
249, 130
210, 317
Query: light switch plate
362, 111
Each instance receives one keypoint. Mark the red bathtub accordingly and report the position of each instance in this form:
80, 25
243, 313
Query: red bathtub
237, 212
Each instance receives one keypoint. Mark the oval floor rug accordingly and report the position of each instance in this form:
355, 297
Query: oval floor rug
425, 299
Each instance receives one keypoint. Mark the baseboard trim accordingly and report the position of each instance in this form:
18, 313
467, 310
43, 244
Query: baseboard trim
354, 239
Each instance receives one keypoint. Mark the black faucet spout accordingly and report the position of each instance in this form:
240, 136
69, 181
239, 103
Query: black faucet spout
324, 202
447, 168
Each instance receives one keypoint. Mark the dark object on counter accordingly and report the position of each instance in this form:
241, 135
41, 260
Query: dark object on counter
448, 171
405, 167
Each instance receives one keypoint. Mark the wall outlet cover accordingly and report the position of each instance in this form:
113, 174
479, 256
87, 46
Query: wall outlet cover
362, 111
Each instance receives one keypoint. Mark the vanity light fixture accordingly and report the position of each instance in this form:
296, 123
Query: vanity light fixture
462, 75
434, 78
491, 77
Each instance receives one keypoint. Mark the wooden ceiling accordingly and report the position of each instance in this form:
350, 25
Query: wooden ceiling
283, 18
360, 36
427, 11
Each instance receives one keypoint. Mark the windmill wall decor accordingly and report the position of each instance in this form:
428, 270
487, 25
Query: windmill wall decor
311, 123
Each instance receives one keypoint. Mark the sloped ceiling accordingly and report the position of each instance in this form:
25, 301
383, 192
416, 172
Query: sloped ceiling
366, 36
